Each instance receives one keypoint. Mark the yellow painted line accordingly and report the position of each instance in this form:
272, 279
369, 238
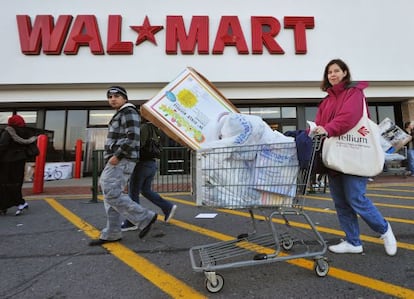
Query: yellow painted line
328, 211
364, 281
319, 228
392, 190
163, 280
328, 230
390, 185
390, 219
381, 195
187, 202
389, 196
367, 195
375, 203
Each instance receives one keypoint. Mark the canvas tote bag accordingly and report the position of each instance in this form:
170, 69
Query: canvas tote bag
357, 152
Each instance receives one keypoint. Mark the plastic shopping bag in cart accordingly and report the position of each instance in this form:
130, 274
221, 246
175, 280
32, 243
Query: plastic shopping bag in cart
229, 181
276, 171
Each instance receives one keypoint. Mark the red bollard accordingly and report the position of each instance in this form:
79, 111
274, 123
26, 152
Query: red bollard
78, 159
39, 170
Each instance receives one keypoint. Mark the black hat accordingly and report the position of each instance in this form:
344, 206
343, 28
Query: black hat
117, 89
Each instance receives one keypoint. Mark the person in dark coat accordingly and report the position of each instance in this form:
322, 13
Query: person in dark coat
16, 147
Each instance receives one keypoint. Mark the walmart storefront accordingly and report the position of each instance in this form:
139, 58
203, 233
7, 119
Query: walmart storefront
267, 57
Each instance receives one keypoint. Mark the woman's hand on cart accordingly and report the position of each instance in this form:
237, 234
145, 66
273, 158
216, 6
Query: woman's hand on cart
319, 130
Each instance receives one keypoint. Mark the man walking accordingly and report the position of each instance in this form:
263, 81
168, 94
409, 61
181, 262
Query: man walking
143, 175
121, 154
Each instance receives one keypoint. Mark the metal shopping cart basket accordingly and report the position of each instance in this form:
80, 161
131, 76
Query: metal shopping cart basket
395, 163
265, 180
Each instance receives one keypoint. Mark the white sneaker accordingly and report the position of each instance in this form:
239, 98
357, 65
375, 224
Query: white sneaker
21, 208
345, 247
170, 215
390, 243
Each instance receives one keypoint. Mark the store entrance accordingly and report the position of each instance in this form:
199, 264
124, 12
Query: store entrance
282, 126
280, 118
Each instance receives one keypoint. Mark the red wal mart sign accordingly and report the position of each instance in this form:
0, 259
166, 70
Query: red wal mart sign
69, 33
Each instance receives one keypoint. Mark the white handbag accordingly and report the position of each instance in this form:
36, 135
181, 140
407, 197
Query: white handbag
357, 152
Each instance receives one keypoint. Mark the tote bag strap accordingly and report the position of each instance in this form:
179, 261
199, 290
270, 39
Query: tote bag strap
364, 111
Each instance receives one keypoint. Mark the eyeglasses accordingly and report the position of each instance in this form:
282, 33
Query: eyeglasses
114, 95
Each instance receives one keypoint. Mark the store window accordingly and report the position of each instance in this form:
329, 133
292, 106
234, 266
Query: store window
4, 117
310, 113
266, 112
244, 110
55, 122
30, 117
100, 117
75, 129
282, 119
288, 112
386, 111
379, 112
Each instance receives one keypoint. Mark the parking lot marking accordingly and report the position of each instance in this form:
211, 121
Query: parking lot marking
163, 280
364, 281
371, 283
304, 226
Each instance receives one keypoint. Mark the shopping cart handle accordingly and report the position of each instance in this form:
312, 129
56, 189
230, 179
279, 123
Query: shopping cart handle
318, 140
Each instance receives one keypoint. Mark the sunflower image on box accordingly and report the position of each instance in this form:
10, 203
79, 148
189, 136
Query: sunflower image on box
178, 114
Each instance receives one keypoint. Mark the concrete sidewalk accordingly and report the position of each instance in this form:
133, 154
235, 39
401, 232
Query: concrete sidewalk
83, 186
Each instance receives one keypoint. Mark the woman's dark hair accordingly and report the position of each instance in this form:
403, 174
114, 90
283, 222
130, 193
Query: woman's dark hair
347, 79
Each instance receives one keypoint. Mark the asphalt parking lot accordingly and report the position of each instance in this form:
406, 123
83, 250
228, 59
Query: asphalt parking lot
45, 252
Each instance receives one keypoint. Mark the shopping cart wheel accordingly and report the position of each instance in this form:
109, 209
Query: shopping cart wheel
321, 267
242, 236
287, 244
214, 287
260, 256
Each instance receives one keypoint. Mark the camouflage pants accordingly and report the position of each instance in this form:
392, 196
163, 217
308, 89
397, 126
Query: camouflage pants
118, 204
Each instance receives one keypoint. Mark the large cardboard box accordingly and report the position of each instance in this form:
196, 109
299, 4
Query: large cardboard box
184, 107
393, 138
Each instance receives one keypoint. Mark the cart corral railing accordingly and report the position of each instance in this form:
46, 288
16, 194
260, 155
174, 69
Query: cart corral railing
173, 175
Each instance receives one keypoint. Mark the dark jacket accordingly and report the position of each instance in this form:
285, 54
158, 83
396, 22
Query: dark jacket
150, 144
303, 147
14, 143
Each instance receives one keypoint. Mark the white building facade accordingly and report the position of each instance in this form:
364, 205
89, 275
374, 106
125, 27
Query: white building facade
266, 56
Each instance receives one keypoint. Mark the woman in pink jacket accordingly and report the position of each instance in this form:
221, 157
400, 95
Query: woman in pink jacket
338, 113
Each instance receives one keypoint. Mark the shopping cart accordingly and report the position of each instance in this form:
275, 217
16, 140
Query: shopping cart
395, 163
265, 179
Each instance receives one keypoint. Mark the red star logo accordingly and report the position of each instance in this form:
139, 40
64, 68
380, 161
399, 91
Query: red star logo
146, 31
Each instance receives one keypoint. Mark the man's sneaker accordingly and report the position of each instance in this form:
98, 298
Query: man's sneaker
21, 208
127, 226
146, 229
170, 214
345, 247
390, 243
99, 242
